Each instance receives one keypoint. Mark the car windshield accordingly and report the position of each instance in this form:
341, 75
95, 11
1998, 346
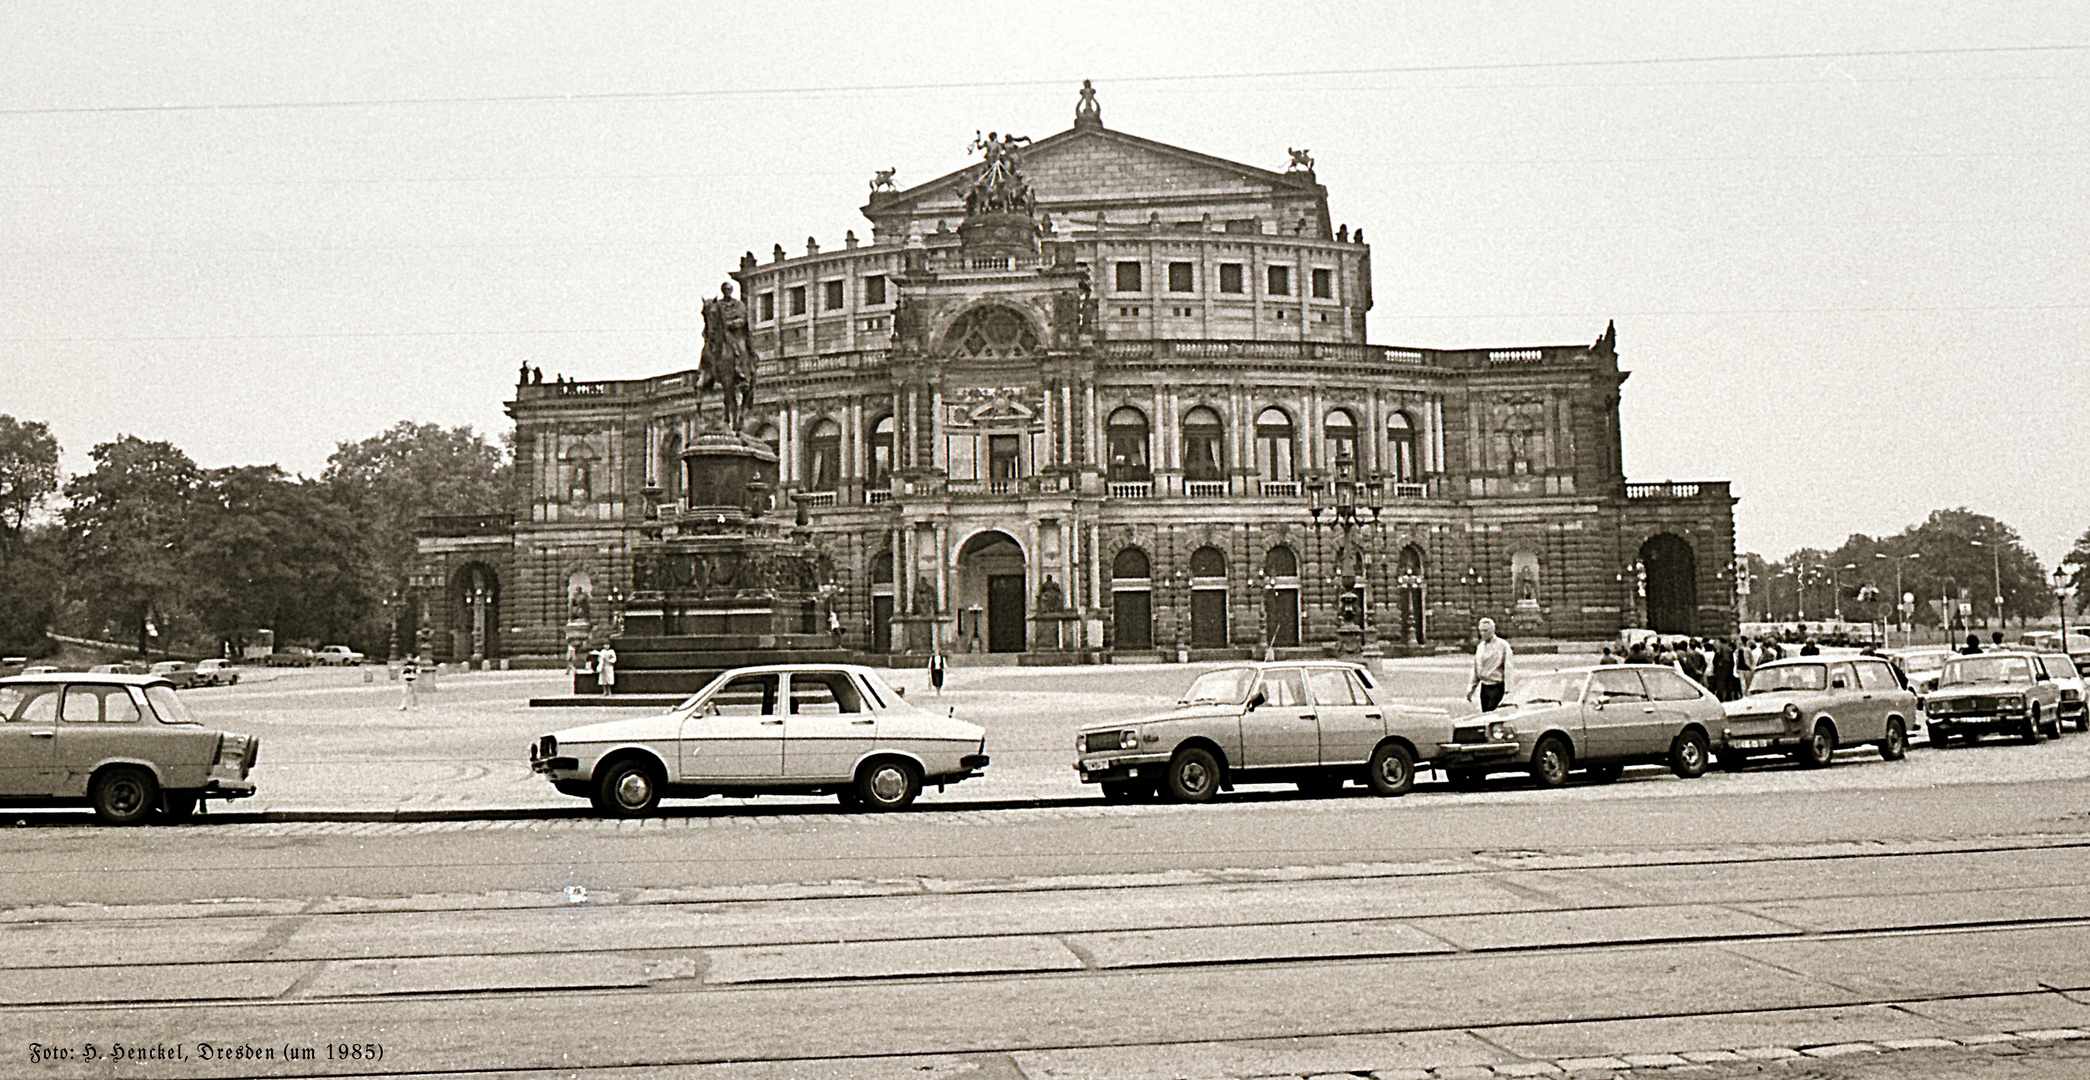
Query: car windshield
1973, 669
1788, 677
1227, 686
2060, 666
1551, 688
169, 705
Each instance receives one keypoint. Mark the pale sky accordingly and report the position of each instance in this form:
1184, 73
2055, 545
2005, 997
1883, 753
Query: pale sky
1844, 243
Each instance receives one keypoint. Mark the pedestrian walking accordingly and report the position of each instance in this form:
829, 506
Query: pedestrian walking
1723, 670
936, 672
606, 669
1490, 667
409, 674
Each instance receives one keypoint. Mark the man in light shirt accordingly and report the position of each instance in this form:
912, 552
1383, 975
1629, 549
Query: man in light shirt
1490, 667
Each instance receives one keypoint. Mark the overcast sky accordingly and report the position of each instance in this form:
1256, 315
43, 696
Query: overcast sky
1845, 244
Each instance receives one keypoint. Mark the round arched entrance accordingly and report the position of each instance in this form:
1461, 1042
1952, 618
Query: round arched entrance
1131, 600
1672, 584
991, 601
475, 605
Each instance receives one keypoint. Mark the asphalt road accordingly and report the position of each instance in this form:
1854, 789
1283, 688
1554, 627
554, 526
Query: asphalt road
1932, 915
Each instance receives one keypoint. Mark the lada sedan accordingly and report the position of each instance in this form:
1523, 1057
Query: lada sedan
1808, 706
1317, 724
124, 744
783, 729
2004, 692
1598, 719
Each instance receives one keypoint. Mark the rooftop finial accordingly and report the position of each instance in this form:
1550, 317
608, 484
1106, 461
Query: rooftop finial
1087, 113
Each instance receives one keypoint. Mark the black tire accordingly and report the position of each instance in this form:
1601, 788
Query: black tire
1391, 770
1550, 763
1689, 754
2082, 720
1127, 791
628, 788
1603, 774
1819, 749
124, 795
2028, 732
1466, 779
1193, 775
1940, 738
887, 783
1733, 761
1896, 745
178, 806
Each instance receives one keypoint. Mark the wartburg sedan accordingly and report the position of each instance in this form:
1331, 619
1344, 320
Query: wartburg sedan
1808, 706
1316, 724
2007, 693
785, 729
1597, 719
123, 744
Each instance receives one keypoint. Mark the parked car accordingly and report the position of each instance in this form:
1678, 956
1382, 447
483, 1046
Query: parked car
1921, 666
1807, 707
124, 744
1597, 719
40, 669
780, 729
1317, 724
2007, 693
216, 673
338, 656
292, 656
2068, 679
179, 672
121, 667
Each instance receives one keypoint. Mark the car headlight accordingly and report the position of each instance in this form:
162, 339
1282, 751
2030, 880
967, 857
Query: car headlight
1501, 731
2013, 702
1791, 712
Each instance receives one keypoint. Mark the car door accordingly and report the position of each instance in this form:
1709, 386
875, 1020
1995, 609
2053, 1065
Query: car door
736, 732
828, 727
1350, 721
28, 730
1617, 715
1281, 729
1878, 695
1678, 701
97, 722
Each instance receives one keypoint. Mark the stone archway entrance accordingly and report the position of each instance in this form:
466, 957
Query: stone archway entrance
1672, 584
475, 602
991, 594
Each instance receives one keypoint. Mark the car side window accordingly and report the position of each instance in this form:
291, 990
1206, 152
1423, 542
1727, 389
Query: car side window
1841, 677
1330, 686
748, 695
1284, 688
29, 704
823, 693
1670, 686
1617, 686
1360, 687
1873, 675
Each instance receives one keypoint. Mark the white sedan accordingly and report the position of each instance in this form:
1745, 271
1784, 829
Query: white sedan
782, 729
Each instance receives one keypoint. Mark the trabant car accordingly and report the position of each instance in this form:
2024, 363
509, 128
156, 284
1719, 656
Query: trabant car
179, 672
1808, 706
216, 673
2008, 693
1317, 724
124, 744
1598, 719
779, 729
2068, 678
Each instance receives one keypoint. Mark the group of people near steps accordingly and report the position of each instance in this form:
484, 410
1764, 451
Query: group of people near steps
1721, 665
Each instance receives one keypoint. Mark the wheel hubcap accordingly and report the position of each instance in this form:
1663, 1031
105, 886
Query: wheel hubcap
1194, 776
633, 790
125, 796
887, 784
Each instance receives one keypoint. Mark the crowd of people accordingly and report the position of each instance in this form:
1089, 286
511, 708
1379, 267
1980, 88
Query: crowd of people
1720, 664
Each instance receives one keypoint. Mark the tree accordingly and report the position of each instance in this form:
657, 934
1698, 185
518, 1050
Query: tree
28, 476
2079, 557
266, 550
124, 529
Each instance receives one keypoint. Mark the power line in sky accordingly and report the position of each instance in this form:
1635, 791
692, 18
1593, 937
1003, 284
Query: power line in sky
1149, 80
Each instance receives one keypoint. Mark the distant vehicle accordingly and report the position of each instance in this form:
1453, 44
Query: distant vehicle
121, 667
40, 669
292, 656
216, 673
1921, 666
179, 672
2064, 671
338, 656
1809, 706
123, 744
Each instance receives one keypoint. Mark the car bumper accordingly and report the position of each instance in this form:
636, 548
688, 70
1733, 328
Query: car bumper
1453, 755
1994, 721
228, 789
1114, 768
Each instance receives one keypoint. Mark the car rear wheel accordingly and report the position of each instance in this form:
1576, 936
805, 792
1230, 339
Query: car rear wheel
1896, 745
887, 784
628, 788
1391, 770
124, 795
1550, 763
1819, 749
2082, 720
1193, 775
1688, 754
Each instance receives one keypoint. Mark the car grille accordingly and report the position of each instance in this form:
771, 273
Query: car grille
1968, 705
1477, 733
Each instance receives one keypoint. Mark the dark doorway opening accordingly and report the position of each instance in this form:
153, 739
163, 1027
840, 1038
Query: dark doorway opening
1672, 584
1132, 617
1005, 613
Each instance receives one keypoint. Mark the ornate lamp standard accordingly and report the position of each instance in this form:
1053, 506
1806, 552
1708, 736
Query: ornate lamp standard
1353, 524
2062, 575
1181, 580
1263, 646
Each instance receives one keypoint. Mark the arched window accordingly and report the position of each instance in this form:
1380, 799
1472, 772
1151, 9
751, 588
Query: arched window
882, 568
767, 434
824, 456
1339, 436
1273, 445
992, 332
1208, 562
1281, 563
1130, 563
881, 451
1400, 449
1128, 445
669, 468
1204, 442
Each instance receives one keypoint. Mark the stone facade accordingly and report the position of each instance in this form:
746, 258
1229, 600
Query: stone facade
1123, 420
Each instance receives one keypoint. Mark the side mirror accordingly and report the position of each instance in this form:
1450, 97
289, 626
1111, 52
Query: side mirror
900, 690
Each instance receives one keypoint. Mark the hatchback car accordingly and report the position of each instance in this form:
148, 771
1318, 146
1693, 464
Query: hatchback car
2007, 693
124, 744
783, 729
216, 673
1808, 706
1317, 724
1597, 719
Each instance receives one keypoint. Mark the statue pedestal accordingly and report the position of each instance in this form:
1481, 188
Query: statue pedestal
1349, 641
918, 632
1527, 620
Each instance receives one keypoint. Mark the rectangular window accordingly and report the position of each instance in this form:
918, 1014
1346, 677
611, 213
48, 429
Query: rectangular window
795, 297
765, 304
1128, 277
1324, 284
1230, 277
1182, 277
834, 295
1001, 450
1280, 281
874, 290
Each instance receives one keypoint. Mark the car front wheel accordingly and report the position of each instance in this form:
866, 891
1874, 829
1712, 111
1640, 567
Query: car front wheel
627, 789
1550, 763
1688, 754
1193, 775
887, 784
1819, 749
2029, 732
1896, 745
1391, 770
124, 795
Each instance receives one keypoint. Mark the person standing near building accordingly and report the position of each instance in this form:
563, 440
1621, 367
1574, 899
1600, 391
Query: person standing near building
606, 669
1490, 667
409, 674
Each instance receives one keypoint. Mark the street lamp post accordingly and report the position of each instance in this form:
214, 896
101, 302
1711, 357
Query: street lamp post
1352, 558
1997, 551
2062, 574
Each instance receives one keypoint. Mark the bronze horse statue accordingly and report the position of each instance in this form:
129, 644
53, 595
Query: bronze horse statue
727, 363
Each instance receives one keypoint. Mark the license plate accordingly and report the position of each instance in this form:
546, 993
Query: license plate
1749, 744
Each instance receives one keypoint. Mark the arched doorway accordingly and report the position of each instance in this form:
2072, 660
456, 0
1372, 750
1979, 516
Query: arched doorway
991, 598
1410, 583
1281, 596
1208, 598
475, 604
1672, 584
1131, 600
